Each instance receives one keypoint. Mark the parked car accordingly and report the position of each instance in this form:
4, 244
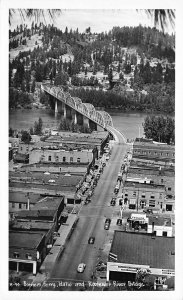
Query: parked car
91, 240
148, 210
106, 226
56, 234
120, 202
98, 176
116, 189
119, 222
107, 221
81, 268
113, 202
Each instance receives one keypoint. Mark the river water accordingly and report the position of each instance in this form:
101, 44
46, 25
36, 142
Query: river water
128, 123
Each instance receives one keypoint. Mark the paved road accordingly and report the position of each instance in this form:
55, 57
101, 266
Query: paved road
91, 223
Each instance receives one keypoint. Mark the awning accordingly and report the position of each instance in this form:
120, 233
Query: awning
133, 201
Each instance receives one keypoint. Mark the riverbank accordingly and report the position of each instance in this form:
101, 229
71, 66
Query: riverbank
128, 123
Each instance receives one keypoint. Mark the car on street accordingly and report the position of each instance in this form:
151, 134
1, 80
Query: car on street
106, 226
91, 240
98, 176
119, 222
120, 202
113, 202
81, 268
116, 189
108, 220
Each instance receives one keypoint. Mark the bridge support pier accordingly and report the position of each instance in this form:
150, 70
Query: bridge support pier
56, 107
86, 121
65, 112
75, 118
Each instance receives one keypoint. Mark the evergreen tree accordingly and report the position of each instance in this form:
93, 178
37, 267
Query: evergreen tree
25, 138
38, 127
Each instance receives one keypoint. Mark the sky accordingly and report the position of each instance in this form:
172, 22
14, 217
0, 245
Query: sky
97, 19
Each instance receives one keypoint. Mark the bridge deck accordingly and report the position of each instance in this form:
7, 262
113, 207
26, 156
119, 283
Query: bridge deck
101, 118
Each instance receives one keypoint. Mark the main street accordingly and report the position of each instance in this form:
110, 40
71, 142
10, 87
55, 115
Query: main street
91, 223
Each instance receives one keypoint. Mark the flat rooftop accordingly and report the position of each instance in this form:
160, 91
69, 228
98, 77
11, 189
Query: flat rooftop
72, 168
149, 144
159, 221
30, 225
41, 214
22, 239
48, 203
56, 164
42, 188
45, 178
94, 134
163, 159
154, 177
143, 185
94, 138
21, 197
142, 249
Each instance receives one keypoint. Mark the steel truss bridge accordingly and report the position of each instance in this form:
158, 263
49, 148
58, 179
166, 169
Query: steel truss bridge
101, 118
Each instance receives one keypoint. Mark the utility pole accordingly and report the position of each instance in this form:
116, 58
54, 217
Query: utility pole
138, 200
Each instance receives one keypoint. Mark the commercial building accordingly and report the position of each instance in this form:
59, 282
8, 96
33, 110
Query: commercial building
160, 226
58, 154
165, 176
21, 158
157, 225
32, 234
142, 195
132, 254
95, 139
21, 201
144, 150
45, 183
58, 168
25, 248
48, 209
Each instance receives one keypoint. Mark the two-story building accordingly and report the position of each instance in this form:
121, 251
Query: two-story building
32, 234
139, 195
157, 175
21, 201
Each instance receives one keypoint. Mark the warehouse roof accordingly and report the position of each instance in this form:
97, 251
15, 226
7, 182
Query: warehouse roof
142, 249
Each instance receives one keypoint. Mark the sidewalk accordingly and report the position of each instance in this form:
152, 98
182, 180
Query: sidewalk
56, 251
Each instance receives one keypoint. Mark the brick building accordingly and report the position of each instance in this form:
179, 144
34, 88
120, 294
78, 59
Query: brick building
141, 195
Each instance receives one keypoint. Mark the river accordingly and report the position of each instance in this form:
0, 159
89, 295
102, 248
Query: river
128, 123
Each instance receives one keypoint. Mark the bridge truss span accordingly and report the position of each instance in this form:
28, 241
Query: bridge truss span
101, 118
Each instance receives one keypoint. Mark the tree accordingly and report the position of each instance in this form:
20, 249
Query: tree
33, 86
31, 131
160, 129
26, 137
11, 131
61, 79
110, 77
38, 127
